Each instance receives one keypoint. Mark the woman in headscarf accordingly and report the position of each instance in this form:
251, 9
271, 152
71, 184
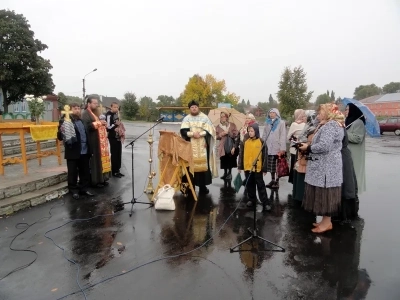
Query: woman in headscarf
250, 119
324, 175
299, 170
275, 136
293, 135
355, 125
228, 151
348, 209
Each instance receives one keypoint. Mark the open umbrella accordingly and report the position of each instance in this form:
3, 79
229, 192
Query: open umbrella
235, 117
371, 123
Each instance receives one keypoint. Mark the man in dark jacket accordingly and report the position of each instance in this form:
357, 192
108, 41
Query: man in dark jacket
77, 152
113, 122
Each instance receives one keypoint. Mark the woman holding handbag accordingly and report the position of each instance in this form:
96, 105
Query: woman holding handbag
228, 150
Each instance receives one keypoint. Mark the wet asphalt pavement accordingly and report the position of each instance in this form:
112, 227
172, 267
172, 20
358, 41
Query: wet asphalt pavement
350, 262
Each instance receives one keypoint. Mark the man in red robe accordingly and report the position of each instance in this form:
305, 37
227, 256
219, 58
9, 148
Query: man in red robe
100, 164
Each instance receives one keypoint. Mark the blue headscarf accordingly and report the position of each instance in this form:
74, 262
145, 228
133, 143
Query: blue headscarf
277, 120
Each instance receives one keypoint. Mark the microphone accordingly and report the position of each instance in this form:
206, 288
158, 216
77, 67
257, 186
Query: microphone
160, 119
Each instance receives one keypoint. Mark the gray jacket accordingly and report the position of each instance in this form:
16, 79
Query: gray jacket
325, 167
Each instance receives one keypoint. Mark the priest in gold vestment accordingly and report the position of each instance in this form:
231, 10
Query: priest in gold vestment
198, 129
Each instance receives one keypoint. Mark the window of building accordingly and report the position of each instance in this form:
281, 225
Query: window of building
23, 106
16, 107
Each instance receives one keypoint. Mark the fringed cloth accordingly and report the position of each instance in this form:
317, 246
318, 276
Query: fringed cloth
172, 148
120, 130
322, 201
68, 131
104, 148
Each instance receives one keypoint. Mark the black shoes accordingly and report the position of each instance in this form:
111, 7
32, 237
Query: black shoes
118, 175
204, 190
83, 193
87, 193
274, 185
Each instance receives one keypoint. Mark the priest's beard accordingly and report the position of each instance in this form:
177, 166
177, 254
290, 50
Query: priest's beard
195, 114
97, 111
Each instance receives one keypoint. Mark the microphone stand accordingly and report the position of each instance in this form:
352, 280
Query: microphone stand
134, 200
254, 231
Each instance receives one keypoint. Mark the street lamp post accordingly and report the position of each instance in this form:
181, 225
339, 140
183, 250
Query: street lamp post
83, 84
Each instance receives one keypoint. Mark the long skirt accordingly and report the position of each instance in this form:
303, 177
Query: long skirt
271, 163
228, 161
322, 201
293, 159
298, 185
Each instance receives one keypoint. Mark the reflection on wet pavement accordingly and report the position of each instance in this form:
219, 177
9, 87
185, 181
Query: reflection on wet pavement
349, 262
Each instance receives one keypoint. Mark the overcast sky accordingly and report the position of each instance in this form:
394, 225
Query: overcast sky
152, 47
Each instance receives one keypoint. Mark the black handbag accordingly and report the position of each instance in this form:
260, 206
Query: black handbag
229, 144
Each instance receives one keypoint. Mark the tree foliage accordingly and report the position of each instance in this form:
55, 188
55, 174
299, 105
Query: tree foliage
164, 100
293, 91
207, 91
332, 96
231, 98
365, 91
322, 99
271, 100
65, 99
23, 71
129, 106
147, 109
393, 87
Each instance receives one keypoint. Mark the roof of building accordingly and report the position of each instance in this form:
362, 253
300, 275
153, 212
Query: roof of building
106, 101
371, 99
395, 97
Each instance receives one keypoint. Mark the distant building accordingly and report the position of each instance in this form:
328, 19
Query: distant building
384, 105
20, 110
106, 101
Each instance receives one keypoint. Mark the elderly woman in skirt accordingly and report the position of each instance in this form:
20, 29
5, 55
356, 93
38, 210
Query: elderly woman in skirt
227, 134
324, 174
274, 136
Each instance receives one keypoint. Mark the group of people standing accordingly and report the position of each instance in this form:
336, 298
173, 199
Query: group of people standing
328, 163
88, 136
237, 148
327, 157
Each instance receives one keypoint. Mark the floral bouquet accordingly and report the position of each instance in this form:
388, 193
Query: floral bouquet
36, 105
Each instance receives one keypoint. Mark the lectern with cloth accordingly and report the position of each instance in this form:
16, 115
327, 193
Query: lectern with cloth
175, 160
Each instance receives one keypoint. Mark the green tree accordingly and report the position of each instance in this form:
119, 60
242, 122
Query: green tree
322, 99
393, 87
271, 100
164, 100
248, 102
327, 92
243, 102
129, 106
65, 99
365, 91
147, 109
293, 91
332, 96
23, 71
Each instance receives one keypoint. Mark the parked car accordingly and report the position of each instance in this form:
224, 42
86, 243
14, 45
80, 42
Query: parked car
391, 124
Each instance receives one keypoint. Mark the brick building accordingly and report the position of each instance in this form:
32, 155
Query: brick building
384, 105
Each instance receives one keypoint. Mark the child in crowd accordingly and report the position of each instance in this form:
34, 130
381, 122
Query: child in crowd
251, 147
